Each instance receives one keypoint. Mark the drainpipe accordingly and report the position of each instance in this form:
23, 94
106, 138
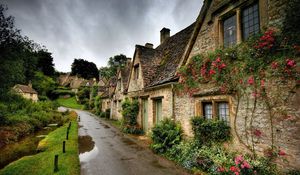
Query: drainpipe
173, 101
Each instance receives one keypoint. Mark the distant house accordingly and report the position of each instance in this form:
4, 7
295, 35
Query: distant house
26, 91
120, 90
107, 93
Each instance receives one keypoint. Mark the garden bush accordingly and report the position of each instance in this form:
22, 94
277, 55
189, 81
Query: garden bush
130, 110
210, 131
165, 135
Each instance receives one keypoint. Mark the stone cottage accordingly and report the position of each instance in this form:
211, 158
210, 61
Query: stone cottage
120, 90
153, 75
26, 91
107, 94
222, 24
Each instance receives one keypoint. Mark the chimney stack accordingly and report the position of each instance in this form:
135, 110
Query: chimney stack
30, 84
149, 45
164, 34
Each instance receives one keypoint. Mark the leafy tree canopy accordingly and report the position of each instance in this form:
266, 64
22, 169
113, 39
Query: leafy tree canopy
113, 64
84, 69
20, 57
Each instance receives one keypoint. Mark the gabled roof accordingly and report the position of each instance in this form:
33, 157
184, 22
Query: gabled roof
168, 56
125, 73
25, 89
148, 62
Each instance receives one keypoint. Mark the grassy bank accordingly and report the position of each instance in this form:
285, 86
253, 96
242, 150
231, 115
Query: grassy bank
69, 102
43, 163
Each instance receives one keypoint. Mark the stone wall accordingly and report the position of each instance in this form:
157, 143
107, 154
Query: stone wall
136, 85
184, 111
165, 94
286, 127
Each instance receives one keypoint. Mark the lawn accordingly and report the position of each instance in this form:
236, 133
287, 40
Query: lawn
43, 163
69, 102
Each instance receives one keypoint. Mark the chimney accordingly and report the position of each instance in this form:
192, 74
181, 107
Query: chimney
30, 84
164, 34
149, 45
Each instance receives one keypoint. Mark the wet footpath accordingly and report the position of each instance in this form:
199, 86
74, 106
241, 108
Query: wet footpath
104, 150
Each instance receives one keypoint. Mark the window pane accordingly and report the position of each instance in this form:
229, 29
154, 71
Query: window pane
207, 110
223, 111
230, 31
158, 110
250, 16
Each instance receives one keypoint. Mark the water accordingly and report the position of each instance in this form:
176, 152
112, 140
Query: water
26, 146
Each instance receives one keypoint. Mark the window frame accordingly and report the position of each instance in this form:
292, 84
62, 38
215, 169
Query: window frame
235, 21
215, 109
157, 118
136, 71
238, 12
253, 18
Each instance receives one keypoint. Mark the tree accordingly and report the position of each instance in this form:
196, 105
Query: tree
11, 45
42, 83
45, 62
84, 69
113, 64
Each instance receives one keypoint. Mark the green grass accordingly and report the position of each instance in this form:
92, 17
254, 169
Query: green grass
43, 163
69, 102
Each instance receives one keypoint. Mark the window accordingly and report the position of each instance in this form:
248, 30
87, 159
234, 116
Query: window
213, 109
207, 110
158, 110
250, 23
136, 72
243, 23
229, 28
223, 111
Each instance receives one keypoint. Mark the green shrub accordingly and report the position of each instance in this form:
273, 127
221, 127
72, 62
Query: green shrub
165, 135
132, 130
210, 131
130, 110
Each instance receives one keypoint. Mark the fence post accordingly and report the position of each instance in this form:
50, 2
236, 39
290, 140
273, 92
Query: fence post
64, 146
69, 125
56, 163
67, 137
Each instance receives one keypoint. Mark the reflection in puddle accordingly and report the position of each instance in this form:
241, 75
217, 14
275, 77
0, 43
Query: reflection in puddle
87, 148
87, 156
86, 143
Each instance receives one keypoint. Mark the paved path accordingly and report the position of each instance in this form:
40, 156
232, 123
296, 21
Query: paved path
106, 151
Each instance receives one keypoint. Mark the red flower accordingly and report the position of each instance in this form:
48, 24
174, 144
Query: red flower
257, 132
251, 80
290, 63
262, 83
281, 153
234, 169
218, 60
238, 159
274, 65
221, 169
222, 66
246, 165
212, 72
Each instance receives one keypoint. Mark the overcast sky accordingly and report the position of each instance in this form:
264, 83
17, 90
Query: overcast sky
98, 29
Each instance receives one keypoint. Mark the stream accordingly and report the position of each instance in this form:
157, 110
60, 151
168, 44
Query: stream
26, 146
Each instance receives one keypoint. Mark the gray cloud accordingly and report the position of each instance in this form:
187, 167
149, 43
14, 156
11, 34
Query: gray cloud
98, 29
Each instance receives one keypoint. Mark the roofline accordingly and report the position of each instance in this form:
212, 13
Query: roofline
199, 22
159, 86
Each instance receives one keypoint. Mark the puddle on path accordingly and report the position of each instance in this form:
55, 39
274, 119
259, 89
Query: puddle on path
86, 143
87, 148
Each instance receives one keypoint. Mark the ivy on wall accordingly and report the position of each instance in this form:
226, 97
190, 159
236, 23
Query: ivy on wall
262, 71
